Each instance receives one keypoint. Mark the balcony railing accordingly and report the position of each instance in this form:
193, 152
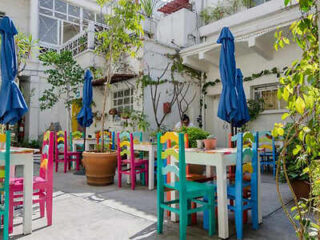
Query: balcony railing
221, 9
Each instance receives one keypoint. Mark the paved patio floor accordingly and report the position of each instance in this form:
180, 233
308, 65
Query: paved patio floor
108, 213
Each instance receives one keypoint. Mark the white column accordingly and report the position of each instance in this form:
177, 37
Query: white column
91, 34
34, 109
34, 19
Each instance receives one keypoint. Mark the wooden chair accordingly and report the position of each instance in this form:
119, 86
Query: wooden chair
4, 182
268, 156
236, 190
42, 184
109, 139
76, 136
188, 191
63, 154
128, 164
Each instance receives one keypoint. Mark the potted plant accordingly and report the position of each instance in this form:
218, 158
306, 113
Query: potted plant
125, 114
210, 143
121, 37
295, 165
113, 111
195, 136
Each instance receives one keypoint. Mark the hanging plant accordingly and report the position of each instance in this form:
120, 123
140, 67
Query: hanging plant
113, 111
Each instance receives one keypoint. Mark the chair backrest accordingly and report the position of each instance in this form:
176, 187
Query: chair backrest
125, 147
46, 164
245, 154
266, 141
61, 143
75, 136
177, 152
109, 139
137, 137
5, 172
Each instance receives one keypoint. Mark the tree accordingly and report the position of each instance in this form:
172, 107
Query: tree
122, 36
300, 88
65, 77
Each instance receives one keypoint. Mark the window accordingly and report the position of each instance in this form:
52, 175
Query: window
123, 99
270, 96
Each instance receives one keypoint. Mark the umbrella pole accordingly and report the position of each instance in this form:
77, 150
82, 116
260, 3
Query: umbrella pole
84, 138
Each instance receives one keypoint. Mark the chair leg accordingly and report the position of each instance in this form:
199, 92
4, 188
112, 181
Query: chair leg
133, 178
239, 222
212, 222
78, 164
183, 219
189, 215
10, 222
146, 175
48, 204
193, 215
65, 165
57, 162
160, 220
42, 207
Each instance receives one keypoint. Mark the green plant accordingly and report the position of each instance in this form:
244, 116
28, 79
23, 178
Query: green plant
300, 88
148, 7
29, 144
211, 137
123, 36
65, 77
194, 134
255, 107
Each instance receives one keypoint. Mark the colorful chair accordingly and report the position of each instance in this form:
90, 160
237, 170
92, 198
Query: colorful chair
268, 156
62, 153
109, 139
76, 136
188, 191
4, 182
128, 164
244, 202
42, 184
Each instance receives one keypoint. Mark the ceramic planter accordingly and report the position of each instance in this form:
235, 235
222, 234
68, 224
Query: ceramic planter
199, 144
210, 144
100, 167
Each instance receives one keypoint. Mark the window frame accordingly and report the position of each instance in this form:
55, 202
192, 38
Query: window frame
123, 97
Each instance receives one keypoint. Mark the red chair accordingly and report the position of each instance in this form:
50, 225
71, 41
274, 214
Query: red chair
42, 184
128, 164
62, 153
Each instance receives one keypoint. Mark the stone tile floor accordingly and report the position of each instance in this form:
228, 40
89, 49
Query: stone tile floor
109, 213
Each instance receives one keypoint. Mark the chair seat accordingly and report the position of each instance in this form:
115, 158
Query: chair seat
192, 187
199, 178
137, 161
74, 153
17, 183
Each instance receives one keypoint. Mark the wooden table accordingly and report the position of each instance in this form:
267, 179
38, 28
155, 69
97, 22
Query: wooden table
24, 157
220, 159
89, 142
151, 149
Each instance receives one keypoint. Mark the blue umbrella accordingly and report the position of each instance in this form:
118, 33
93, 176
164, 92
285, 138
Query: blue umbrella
85, 117
228, 105
12, 103
244, 116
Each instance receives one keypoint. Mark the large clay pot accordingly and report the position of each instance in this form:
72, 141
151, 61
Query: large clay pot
301, 188
210, 144
100, 167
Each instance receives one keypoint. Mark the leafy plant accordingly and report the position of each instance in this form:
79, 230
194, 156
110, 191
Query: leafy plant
148, 7
194, 134
300, 88
255, 107
123, 36
65, 77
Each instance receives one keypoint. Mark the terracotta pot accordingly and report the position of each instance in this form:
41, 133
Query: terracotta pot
100, 167
210, 144
301, 188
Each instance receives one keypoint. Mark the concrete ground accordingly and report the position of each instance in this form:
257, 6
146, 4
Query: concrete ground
108, 213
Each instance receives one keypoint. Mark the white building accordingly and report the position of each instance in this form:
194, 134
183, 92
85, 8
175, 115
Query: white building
71, 25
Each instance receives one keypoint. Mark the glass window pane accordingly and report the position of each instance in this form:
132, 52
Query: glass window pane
127, 92
60, 6
126, 100
114, 102
120, 94
46, 3
45, 11
120, 101
115, 95
87, 14
48, 30
74, 20
74, 10
100, 18
61, 16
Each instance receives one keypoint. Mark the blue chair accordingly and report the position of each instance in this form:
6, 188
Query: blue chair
5, 178
269, 155
188, 191
243, 202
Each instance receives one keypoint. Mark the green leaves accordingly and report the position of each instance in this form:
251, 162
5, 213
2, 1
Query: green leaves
300, 105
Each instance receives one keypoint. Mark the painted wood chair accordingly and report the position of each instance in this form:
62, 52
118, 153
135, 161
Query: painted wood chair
268, 156
188, 191
4, 182
128, 164
109, 139
63, 154
244, 202
76, 136
42, 184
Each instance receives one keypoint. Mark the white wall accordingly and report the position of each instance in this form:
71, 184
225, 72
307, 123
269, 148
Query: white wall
18, 10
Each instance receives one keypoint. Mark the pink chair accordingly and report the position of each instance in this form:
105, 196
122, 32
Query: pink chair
62, 153
42, 184
129, 165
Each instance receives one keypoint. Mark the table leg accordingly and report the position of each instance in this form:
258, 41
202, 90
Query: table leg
223, 226
27, 196
151, 170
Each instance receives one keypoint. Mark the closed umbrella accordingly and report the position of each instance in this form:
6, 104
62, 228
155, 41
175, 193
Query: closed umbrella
85, 117
12, 103
228, 105
244, 116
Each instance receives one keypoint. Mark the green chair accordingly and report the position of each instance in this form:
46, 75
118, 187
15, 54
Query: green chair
188, 191
4, 184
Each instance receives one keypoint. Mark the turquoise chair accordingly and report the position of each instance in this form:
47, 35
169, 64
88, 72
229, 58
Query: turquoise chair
235, 190
188, 191
5, 174
269, 155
